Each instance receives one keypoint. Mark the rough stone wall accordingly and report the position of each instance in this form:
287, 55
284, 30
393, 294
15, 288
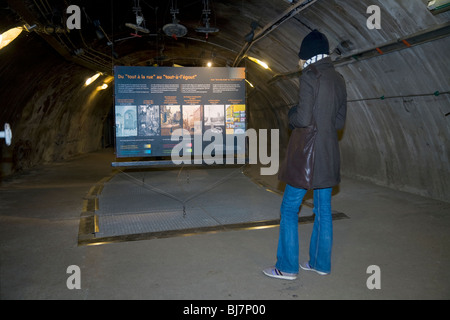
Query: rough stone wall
52, 114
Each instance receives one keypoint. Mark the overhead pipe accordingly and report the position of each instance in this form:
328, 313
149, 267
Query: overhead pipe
432, 34
285, 16
55, 37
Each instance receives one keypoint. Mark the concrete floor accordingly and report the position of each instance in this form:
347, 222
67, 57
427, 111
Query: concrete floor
405, 235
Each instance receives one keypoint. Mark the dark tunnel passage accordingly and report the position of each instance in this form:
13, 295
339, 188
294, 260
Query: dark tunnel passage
397, 132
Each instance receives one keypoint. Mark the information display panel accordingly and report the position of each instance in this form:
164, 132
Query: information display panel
197, 111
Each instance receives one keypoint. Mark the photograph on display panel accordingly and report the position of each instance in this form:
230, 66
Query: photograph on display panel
235, 119
170, 119
149, 121
192, 118
214, 118
126, 121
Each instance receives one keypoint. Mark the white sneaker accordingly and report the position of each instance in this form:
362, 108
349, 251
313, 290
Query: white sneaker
275, 273
307, 267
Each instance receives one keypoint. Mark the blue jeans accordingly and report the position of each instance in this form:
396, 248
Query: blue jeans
321, 237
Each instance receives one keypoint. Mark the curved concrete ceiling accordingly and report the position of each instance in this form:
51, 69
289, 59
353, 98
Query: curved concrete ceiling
397, 133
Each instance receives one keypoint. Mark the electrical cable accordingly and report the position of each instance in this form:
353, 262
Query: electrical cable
436, 93
186, 200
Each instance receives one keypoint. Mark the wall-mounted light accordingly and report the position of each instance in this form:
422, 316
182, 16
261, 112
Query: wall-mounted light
8, 36
29, 28
108, 79
6, 134
106, 82
92, 79
249, 83
259, 62
438, 6
209, 64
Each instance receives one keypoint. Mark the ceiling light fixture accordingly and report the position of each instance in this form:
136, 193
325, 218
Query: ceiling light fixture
8, 36
259, 62
174, 29
92, 79
140, 21
207, 28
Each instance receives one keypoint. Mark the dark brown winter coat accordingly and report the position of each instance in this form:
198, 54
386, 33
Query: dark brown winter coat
330, 114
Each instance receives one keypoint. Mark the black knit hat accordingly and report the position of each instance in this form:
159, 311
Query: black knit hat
313, 44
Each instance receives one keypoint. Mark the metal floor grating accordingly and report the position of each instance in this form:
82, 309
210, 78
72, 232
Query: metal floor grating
157, 201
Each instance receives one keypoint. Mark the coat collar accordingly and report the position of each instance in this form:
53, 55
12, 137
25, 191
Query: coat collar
322, 63
314, 59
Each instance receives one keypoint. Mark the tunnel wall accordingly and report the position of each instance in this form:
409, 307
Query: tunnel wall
401, 137
401, 141
52, 114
